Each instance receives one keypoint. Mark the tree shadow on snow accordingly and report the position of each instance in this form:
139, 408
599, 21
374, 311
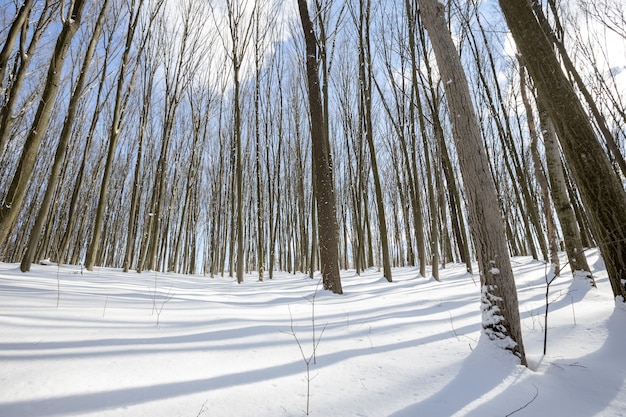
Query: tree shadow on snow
490, 384
483, 372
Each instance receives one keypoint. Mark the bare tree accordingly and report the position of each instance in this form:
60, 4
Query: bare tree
179, 50
362, 21
240, 29
121, 99
540, 175
601, 190
501, 319
322, 163
44, 207
16, 27
558, 190
14, 197
10, 88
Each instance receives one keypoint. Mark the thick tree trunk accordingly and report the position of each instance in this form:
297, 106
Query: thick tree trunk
574, 74
501, 319
601, 191
325, 189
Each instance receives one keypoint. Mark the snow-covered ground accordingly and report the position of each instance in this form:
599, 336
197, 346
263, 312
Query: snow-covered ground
107, 343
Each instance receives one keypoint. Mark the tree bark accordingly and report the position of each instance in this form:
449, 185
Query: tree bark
35, 233
601, 191
365, 76
15, 196
501, 320
539, 172
322, 164
558, 190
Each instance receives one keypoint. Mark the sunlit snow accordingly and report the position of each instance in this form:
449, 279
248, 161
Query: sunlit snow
88, 344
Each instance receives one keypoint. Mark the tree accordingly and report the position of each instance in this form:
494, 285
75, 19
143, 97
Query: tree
11, 87
179, 48
501, 319
322, 163
121, 99
147, 77
37, 228
601, 190
362, 22
563, 207
15, 195
412, 16
240, 33
16, 27
540, 175
574, 74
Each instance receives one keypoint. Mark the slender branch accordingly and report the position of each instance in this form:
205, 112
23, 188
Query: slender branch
527, 404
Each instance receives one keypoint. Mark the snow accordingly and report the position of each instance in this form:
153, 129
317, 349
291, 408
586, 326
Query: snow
88, 344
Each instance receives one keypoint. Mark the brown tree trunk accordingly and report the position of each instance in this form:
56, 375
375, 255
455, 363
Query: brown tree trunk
564, 211
539, 172
601, 191
12, 35
365, 77
573, 72
35, 233
501, 319
114, 133
11, 89
325, 189
14, 198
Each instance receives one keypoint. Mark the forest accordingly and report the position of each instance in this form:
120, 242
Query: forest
219, 137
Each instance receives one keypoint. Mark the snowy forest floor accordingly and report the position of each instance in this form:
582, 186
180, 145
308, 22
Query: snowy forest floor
108, 343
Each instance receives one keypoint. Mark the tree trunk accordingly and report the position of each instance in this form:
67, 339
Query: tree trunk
12, 35
10, 90
35, 233
15, 196
501, 319
325, 192
114, 133
600, 189
365, 77
558, 189
539, 172
573, 72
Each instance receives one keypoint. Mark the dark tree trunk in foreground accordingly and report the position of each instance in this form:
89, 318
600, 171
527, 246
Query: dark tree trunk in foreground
600, 189
501, 319
322, 165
